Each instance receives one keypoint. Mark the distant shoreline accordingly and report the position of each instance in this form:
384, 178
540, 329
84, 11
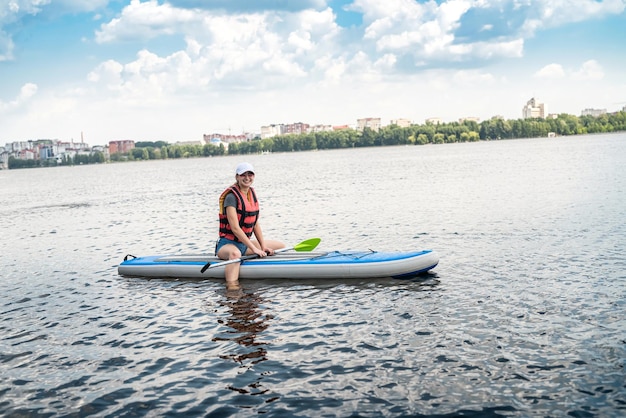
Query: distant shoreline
468, 131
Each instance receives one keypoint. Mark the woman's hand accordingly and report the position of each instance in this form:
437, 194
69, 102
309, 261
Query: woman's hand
259, 252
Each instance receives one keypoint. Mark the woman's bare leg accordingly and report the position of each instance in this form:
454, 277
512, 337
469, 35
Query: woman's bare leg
231, 271
273, 244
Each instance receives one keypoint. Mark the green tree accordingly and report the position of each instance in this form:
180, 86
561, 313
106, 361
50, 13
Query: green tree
282, 143
368, 138
438, 138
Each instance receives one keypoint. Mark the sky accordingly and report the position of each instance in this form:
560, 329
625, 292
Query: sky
173, 70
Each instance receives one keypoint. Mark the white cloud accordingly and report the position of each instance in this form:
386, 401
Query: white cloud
386, 62
76, 6
145, 20
236, 6
232, 51
590, 70
391, 17
551, 71
107, 73
309, 31
14, 8
331, 68
284, 67
450, 13
487, 50
6, 47
472, 77
301, 40
149, 78
553, 13
27, 91
428, 32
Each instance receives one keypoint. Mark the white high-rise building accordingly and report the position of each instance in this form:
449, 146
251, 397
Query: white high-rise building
534, 109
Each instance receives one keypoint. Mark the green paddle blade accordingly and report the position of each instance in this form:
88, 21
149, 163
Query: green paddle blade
307, 245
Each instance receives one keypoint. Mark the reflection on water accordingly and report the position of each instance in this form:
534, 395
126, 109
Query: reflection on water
246, 321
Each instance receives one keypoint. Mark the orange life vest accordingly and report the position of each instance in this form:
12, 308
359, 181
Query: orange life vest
247, 213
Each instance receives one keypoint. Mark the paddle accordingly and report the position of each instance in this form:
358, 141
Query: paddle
306, 245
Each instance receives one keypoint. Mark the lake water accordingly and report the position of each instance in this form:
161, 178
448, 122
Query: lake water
524, 316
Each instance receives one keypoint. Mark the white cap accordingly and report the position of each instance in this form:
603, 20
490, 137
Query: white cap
244, 167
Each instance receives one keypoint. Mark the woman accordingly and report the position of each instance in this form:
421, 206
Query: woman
239, 215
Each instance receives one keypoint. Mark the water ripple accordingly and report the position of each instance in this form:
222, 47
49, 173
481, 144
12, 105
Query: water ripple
524, 316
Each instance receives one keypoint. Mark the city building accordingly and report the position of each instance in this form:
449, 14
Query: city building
402, 123
340, 127
104, 150
296, 128
593, 112
271, 131
434, 121
121, 147
4, 159
470, 119
321, 128
371, 123
217, 139
534, 109
43, 149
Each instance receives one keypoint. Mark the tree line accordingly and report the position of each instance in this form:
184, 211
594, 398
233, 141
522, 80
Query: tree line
161, 151
429, 133
66, 160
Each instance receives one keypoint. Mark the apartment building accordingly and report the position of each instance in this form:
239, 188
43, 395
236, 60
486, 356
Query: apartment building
593, 112
534, 109
402, 123
121, 146
371, 123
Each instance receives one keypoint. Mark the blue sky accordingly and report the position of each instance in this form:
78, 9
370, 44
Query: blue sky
174, 70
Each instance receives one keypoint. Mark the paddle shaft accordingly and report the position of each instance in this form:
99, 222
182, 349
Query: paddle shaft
238, 260
306, 245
